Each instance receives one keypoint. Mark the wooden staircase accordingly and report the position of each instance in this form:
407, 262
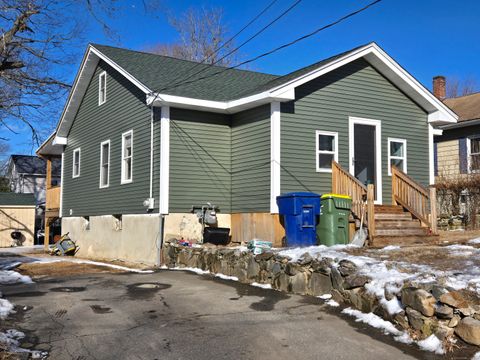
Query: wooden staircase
411, 219
396, 226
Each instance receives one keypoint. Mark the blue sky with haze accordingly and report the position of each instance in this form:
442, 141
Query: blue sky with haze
426, 37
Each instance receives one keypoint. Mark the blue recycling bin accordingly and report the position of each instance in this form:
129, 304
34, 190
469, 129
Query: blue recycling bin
300, 212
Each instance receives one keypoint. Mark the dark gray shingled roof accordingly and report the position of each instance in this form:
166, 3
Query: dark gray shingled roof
159, 73
14, 199
28, 164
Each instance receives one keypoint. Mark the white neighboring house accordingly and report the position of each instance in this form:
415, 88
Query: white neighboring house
27, 175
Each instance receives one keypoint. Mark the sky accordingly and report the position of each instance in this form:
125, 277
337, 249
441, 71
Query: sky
426, 37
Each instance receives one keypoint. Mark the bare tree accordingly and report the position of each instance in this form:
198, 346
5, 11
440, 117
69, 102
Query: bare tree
37, 39
201, 33
457, 87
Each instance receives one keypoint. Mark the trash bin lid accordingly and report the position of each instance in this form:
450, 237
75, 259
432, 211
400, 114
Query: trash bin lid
299, 194
335, 196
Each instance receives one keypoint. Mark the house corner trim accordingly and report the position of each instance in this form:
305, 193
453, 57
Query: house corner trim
274, 155
164, 160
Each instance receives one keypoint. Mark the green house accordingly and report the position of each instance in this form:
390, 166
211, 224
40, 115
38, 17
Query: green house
144, 138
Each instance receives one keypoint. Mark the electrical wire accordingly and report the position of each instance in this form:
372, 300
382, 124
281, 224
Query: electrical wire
343, 18
285, 12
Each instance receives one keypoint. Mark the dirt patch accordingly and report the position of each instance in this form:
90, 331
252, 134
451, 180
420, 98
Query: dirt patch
458, 236
63, 268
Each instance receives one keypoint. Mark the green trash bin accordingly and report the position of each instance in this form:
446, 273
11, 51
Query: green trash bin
332, 228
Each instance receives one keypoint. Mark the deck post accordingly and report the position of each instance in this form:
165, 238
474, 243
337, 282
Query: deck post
46, 239
433, 210
371, 210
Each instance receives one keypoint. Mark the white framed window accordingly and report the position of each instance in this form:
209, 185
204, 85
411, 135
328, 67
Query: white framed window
127, 157
105, 164
326, 150
102, 88
397, 154
76, 163
473, 153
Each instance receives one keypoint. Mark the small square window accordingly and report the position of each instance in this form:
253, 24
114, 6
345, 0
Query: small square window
327, 150
102, 88
397, 154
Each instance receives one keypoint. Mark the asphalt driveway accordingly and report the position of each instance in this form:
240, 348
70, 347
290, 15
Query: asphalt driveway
180, 315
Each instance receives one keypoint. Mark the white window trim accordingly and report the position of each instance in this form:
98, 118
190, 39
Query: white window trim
104, 74
101, 186
318, 152
469, 154
378, 142
79, 162
404, 157
123, 180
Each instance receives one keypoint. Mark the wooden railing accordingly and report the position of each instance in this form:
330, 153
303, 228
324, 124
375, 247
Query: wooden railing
420, 202
53, 198
346, 184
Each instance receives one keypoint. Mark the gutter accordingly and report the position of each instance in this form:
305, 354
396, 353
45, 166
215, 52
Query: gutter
461, 124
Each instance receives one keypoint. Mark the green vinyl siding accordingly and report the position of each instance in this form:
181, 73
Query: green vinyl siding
124, 110
326, 103
251, 160
200, 160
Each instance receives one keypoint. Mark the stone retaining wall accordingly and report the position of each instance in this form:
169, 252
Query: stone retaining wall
428, 308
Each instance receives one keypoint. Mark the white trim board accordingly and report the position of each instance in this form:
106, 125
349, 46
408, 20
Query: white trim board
164, 160
378, 151
275, 168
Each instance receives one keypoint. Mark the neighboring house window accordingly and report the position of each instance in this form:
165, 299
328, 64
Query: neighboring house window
102, 88
474, 154
397, 154
327, 150
127, 156
104, 163
76, 163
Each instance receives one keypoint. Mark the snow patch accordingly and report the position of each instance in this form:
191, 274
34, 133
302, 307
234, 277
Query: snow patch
332, 303
263, 286
374, 321
10, 341
477, 355
390, 248
433, 344
8, 277
226, 277
475, 241
191, 269
6, 308
325, 296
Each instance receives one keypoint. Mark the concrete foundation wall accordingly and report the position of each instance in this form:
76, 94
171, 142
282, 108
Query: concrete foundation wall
188, 227
132, 239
